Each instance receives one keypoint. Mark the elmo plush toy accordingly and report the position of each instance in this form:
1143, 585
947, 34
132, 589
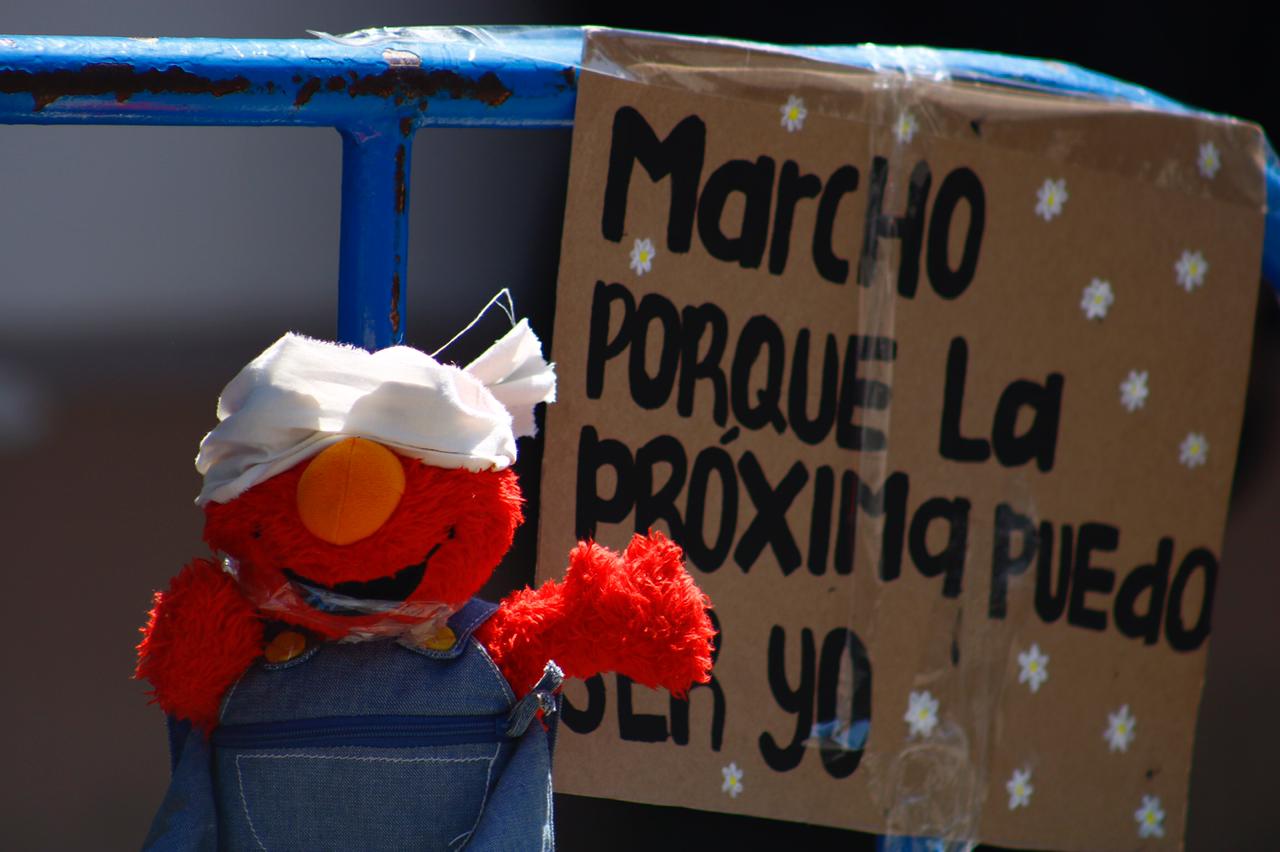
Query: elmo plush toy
330, 681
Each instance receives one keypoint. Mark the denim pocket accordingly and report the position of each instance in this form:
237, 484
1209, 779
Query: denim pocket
354, 798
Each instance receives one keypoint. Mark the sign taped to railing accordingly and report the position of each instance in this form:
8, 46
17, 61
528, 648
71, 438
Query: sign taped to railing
939, 385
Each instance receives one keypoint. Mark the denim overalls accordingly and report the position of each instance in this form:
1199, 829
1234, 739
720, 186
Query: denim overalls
370, 745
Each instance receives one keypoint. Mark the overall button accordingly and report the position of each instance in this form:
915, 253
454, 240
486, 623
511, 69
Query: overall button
443, 640
285, 647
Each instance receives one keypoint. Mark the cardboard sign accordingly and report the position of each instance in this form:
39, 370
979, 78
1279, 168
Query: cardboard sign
939, 385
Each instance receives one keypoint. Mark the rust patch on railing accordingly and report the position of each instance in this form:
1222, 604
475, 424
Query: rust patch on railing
406, 83
307, 91
114, 78
334, 84
400, 189
395, 303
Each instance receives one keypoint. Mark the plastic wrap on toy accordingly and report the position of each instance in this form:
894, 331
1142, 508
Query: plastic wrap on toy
307, 604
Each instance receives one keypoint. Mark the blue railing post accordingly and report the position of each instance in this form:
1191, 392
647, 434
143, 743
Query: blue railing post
374, 257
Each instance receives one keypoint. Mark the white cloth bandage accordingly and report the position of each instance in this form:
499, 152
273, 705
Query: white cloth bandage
302, 395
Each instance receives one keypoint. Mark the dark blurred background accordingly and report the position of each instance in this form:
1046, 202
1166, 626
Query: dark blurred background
143, 266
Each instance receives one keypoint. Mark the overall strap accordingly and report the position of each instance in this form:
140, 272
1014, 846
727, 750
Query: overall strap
463, 623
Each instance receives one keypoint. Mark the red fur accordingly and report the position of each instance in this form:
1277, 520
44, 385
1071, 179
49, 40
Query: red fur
201, 636
638, 613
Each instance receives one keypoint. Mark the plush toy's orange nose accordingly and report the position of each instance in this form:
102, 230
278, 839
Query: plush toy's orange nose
349, 490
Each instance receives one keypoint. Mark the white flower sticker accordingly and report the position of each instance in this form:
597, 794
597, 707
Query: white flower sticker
1034, 665
793, 114
1150, 817
1050, 197
1209, 160
1193, 449
642, 254
732, 780
905, 128
1097, 299
922, 713
1191, 269
1119, 732
1020, 789
1133, 390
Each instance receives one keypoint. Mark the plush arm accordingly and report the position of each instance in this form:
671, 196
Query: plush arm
638, 613
201, 636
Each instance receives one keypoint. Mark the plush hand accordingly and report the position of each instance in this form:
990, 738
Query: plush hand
638, 613
201, 636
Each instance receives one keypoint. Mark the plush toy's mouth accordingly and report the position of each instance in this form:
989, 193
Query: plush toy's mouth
354, 597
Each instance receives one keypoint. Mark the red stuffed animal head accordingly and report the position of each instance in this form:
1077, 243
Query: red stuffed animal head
438, 542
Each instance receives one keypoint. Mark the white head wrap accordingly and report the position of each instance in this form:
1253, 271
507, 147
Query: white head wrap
302, 395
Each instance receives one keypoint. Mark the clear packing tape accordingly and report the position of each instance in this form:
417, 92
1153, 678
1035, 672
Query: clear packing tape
935, 787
